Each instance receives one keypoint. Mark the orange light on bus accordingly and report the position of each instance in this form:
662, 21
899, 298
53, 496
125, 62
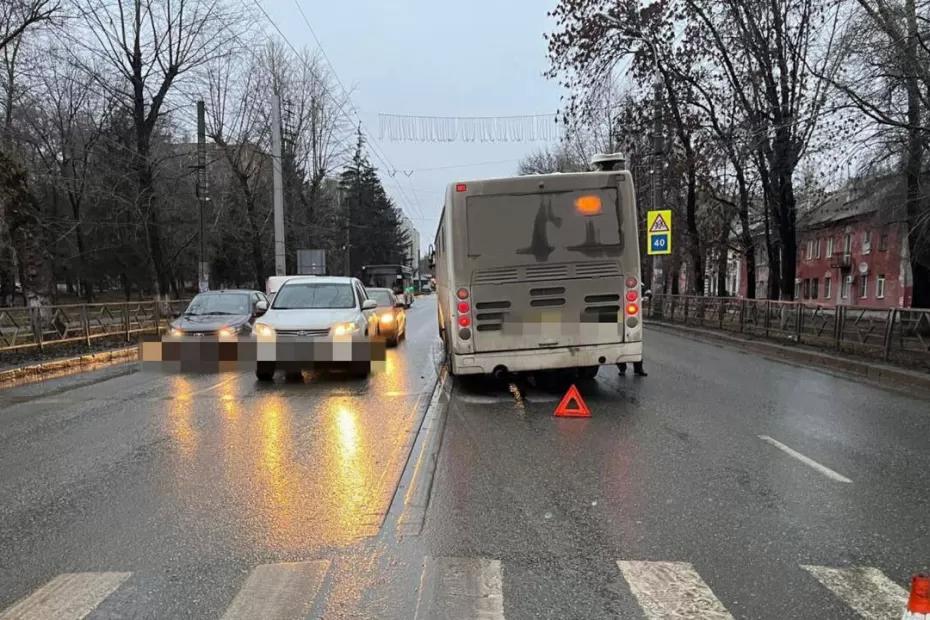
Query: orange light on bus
588, 205
632, 309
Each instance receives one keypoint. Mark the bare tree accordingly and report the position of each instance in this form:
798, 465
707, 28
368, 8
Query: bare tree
151, 45
886, 77
238, 123
20, 217
18, 15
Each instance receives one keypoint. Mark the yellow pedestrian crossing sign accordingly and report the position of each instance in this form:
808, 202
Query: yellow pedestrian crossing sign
659, 232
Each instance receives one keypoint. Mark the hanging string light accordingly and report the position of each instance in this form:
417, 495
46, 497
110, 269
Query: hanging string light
528, 128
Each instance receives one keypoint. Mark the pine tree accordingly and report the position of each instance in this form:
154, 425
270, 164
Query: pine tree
375, 233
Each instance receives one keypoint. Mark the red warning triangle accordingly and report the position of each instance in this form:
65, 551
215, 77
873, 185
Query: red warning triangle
659, 225
579, 410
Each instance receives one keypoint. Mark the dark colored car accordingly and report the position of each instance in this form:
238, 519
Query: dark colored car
221, 314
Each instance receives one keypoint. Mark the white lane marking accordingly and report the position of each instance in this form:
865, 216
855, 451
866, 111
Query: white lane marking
273, 591
826, 471
70, 596
865, 589
671, 590
461, 588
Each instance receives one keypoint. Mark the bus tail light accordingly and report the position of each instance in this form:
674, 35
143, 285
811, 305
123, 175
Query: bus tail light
464, 308
462, 293
632, 309
632, 295
460, 187
464, 321
631, 282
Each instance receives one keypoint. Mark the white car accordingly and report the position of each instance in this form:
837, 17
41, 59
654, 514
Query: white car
317, 308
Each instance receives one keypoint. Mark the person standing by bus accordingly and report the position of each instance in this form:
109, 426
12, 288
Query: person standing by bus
637, 369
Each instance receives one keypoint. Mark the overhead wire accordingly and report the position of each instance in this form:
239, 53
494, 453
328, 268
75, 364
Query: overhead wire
341, 106
376, 148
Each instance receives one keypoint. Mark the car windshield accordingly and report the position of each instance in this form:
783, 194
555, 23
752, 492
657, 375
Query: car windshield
384, 298
314, 295
218, 304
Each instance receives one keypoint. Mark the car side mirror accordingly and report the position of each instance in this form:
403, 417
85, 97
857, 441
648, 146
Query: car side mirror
369, 304
261, 307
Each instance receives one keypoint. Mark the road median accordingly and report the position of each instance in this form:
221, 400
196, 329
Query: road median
883, 375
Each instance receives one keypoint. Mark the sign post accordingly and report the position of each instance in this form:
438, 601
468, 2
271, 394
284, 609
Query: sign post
659, 232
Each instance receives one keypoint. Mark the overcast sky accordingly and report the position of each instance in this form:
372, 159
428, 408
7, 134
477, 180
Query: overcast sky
435, 58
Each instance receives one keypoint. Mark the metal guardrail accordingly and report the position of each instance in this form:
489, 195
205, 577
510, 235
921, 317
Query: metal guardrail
39, 327
891, 334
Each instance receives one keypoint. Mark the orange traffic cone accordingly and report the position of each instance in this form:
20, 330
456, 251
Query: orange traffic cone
918, 603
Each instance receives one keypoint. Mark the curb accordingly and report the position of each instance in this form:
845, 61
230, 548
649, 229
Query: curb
38, 372
878, 373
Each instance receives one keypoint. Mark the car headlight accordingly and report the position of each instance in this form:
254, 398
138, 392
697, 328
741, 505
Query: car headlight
175, 332
227, 332
344, 329
387, 319
264, 330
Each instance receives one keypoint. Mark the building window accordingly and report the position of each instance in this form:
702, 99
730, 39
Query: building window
847, 283
797, 290
815, 286
883, 240
817, 248
847, 244
830, 241
880, 287
866, 241
807, 288
863, 287
827, 288
810, 249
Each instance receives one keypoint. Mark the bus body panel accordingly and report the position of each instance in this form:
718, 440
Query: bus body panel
546, 284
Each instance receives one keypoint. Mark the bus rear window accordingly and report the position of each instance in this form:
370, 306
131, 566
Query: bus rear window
545, 227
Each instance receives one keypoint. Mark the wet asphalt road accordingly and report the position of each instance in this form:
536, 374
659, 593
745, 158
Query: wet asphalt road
183, 485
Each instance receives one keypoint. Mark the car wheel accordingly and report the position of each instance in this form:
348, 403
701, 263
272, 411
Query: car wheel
294, 376
265, 371
392, 342
360, 369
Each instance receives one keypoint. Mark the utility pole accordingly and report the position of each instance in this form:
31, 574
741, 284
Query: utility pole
347, 206
658, 143
203, 276
280, 265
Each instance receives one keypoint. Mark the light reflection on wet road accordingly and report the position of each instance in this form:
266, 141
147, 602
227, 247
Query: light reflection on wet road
181, 470
189, 483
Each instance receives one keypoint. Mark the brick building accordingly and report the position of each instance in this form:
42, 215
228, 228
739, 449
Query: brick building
852, 250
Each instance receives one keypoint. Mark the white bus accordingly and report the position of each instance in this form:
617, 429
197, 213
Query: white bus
540, 272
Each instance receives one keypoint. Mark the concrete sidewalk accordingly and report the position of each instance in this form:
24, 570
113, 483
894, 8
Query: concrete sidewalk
873, 371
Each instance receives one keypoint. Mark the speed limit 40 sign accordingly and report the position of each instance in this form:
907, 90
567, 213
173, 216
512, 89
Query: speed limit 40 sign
659, 232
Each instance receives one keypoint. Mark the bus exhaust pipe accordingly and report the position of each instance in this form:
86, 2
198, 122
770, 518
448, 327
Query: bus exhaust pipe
499, 372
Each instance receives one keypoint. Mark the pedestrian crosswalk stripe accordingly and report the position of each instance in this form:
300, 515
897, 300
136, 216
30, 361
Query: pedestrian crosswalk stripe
278, 591
671, 590
70, 596
865, 589
461, 588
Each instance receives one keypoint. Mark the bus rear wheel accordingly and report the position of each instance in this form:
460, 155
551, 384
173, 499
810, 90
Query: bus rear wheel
588, 372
